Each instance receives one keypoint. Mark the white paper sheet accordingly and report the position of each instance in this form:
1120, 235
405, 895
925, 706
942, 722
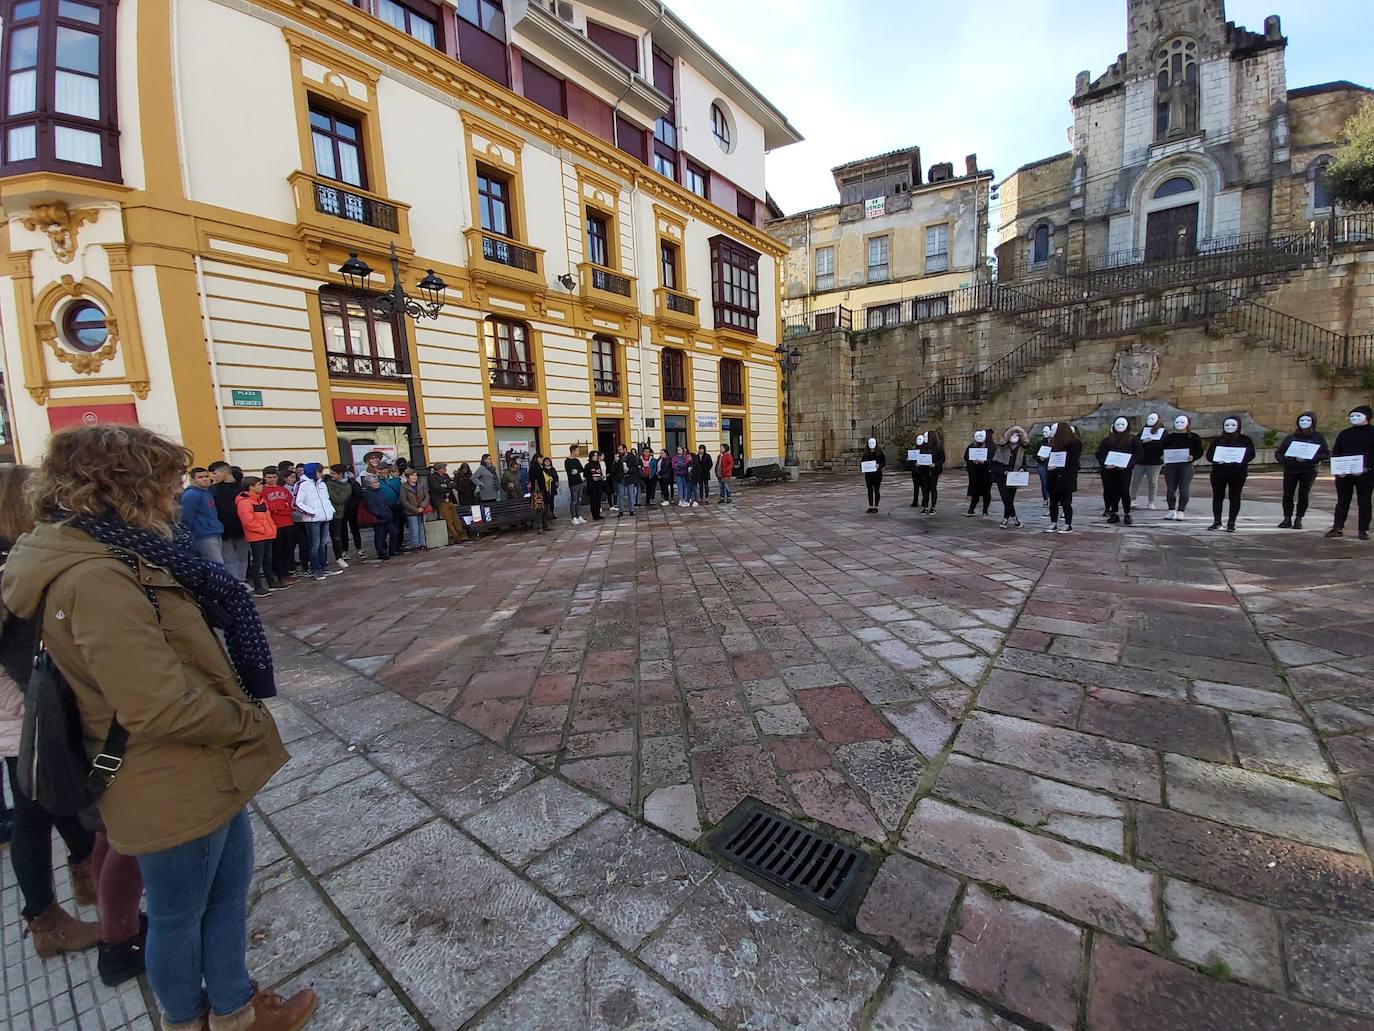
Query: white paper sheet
1118, 459
1058, 459
1018, 479
1348, 465
869, 467
911, 456
1303, 451
977, 454
477, 516
1228, 456
1177, 455
924, 459
1044, 452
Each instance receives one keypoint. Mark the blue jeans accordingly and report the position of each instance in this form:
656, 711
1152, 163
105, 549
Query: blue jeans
723, 488
1044, 474
197, 921
415, 526
317, 536
627, 497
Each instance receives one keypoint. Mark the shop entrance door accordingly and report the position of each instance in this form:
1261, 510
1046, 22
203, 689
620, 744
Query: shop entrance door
607, 435
732, 433
393, 440
674, 433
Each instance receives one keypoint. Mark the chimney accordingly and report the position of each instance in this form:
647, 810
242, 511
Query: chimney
971, 165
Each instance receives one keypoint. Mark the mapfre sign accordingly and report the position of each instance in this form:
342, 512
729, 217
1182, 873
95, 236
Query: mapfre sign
362, 409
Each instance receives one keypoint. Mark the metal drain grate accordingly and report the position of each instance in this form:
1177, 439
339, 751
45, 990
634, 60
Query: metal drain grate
805, 862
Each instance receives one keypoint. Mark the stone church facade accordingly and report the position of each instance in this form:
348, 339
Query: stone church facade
1190, 142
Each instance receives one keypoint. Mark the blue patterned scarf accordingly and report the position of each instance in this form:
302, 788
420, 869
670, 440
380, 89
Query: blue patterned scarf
225, 603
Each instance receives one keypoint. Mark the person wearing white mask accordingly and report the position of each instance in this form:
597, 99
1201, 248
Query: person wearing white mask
1063, 478
1229, 471
1010, 457
1151, 459
920, 474
874, 480
1116, 479
1042, 455
977, 463
1355, 439
1300, 465
1178, 466
931, 445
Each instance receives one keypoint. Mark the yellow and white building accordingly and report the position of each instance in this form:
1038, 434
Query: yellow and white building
182, 179
892, 250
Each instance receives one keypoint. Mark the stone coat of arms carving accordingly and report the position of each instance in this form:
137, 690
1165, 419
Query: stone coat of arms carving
1135, 368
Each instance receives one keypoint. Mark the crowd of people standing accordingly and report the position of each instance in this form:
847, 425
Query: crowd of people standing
1129, 458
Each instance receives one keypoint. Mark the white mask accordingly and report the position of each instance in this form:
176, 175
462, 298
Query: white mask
921, 440
1052, 429
1181, 423
979, 436
873, 442
1047, 432
1230, 426
1357, 419
1152, 419
1304, 423
1016, 438
1120, 425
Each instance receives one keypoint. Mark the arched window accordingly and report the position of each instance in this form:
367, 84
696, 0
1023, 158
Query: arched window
1040, 245
720, 127
1173, 187
671, 367
1321, 186
1176, 88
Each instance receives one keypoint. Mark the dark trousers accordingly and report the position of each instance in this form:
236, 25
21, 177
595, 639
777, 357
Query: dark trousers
1061, 498
930, 490
281, 551
651, 485
666, 487
1008, 496
31, 829
979, 488
1116, 490
1297, 484
260, 563
594, 489
1358, 487
338, 536
919, 475
302, 547
874, 483
1227, 487
353, 527
387, 538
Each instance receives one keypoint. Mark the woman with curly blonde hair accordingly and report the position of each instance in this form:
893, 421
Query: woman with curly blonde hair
107, 575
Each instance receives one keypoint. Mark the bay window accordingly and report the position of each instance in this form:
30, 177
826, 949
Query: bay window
735, 284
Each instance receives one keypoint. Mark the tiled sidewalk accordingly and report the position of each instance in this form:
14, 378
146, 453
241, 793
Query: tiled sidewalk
1118, 780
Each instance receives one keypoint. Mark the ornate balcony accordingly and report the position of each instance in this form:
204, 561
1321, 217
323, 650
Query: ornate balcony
331, 212
505, 261
606, 288
676, 308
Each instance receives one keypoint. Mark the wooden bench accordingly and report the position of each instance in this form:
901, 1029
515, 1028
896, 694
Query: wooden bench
771, 473
502, 515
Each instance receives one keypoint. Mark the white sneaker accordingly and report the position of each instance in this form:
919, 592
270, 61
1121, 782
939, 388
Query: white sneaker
1066, 529
1003, 524
1053, 528
342, 563
695, 505
1150, 505
664, 504
1170, 515
358, 556
682, 504
1179, 516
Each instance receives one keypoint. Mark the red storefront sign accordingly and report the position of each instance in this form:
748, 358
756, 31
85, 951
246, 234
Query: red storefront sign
60, 418
517, 417
370, 409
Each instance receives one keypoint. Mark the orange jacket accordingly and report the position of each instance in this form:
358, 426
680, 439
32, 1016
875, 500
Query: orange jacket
258, 524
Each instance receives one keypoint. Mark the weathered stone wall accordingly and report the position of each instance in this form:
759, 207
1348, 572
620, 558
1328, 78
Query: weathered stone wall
847, 383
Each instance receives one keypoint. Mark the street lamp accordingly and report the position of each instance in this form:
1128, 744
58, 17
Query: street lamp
788, 360
358, 275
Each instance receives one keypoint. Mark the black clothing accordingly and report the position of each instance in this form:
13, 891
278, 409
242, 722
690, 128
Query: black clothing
979, 478
1116, 482
1151, 445
1354, 440
874, 481
1301, 436
1063, 483
573, 467
1297, 485
1232, 440
629, 469
226, 497
440, 488
1228, 478
1173, 440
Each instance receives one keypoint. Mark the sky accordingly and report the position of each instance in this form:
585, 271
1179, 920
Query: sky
956, 77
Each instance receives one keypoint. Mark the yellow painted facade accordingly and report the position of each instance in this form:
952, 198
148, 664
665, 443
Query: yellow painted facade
209, 257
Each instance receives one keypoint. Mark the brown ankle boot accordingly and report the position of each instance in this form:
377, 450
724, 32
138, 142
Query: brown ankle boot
55, 930
83, 888
269, 1011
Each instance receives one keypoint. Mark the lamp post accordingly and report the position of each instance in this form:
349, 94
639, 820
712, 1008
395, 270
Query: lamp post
788, 360
358, 275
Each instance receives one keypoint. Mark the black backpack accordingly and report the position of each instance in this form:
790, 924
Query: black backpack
53, 768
